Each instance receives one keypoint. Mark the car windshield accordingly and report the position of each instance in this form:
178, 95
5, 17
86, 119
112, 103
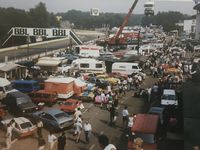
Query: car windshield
68, 103
23, 100
26, 125
8, 87
61, 115
169, 97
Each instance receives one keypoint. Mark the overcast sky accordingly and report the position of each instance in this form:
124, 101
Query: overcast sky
118, 6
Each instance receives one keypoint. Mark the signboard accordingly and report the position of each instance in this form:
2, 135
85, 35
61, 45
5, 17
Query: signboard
42, 32
94, 11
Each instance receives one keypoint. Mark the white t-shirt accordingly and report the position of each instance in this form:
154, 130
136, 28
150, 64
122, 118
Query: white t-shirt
125, 112
130, 122
51, 138
87, 127
77, 114
109, 147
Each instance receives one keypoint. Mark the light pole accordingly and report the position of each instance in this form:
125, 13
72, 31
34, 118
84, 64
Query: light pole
28, 41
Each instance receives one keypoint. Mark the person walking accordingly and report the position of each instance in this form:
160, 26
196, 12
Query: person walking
39, 128
116, 100
41, 143
77, 114
125, 115
51, 140
112, 114
87, 131
104, 143
77, 130
61, 141
9, 135
130, 125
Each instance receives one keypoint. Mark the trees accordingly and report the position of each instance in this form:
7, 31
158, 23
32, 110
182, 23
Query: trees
167, 19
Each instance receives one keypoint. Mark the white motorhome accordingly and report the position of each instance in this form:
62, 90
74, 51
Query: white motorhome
5, 87
89, 65
169, 97
125, 68
88, 50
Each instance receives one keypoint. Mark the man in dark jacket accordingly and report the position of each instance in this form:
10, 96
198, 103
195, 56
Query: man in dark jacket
61, 141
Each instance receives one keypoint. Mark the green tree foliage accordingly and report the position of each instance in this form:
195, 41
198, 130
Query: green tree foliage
36, 17
167, 19
84, 20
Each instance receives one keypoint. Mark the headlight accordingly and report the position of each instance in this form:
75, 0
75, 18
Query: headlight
23, 111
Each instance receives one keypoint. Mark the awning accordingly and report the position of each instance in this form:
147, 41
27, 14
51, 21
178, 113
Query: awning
50, 63
9, 66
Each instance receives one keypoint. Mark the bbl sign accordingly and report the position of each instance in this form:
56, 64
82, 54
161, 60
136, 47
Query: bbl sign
46, 32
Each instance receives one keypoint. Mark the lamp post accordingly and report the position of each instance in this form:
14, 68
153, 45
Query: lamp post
28, 41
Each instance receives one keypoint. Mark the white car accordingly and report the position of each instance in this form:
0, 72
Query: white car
21, 126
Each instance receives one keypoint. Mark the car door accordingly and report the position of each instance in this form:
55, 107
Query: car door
48, 120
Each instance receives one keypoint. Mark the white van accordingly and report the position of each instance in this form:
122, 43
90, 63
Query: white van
125, 68
5, 87
169, 97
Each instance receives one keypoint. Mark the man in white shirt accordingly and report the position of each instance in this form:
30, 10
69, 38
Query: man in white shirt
87, 130
9, 135
77, 114
51, 140
125, 117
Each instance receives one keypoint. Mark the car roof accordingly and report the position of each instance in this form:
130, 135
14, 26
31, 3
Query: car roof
18, 120
145, 123
53, 111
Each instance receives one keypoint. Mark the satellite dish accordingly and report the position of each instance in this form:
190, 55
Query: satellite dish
94, 11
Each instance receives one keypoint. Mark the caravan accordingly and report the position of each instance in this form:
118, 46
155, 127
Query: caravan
89, 65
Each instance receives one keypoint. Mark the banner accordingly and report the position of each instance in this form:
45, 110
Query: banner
43, 32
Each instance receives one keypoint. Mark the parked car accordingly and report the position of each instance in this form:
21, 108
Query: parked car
88, 94
99, 82
22, 127
53, 119
19, 103
70, 57
71, 105
26, 86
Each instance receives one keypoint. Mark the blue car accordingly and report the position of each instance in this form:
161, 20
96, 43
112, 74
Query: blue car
54, 119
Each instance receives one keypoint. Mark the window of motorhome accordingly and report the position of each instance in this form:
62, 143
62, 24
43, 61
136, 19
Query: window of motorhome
122, 66
134, 67
99, 65
84, 65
